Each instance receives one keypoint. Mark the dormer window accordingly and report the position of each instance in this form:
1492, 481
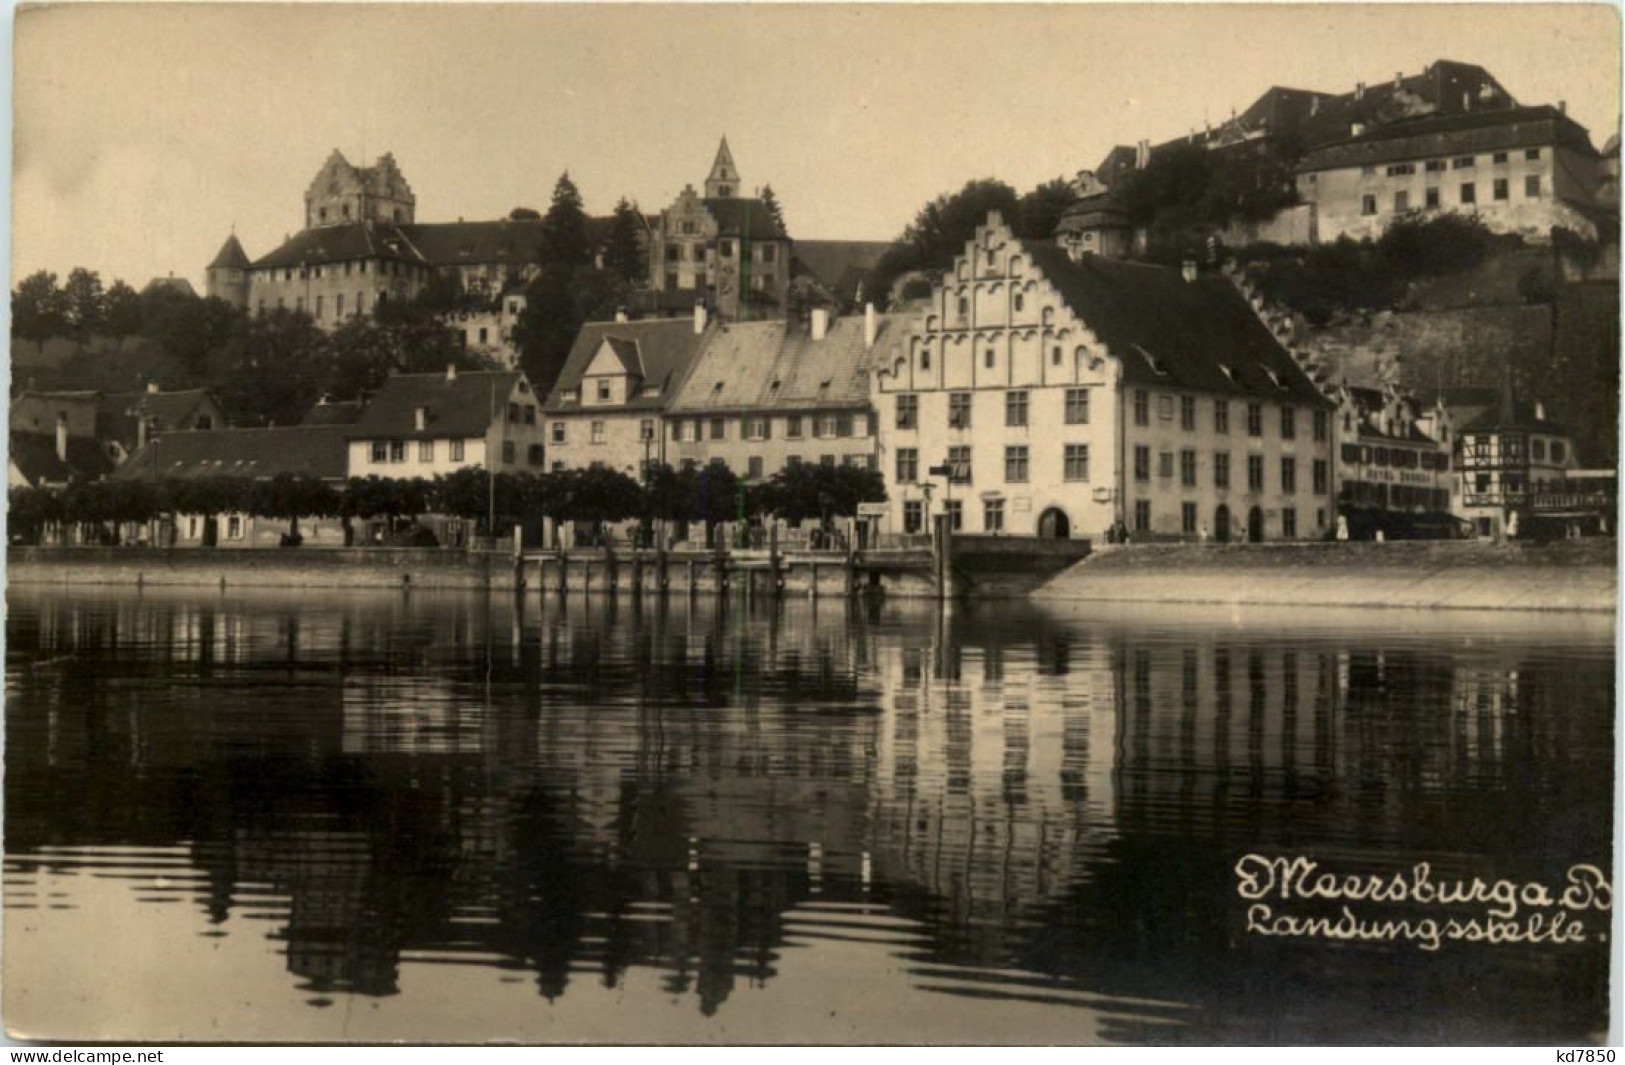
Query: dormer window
603, 391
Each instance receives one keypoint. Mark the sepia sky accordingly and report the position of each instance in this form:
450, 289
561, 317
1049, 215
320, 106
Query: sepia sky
143, 133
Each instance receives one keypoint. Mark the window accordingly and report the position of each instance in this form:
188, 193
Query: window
513, 413
397, 451
1015, 464
1462, 162
456, 448
1255, 419
1187, 518
672, 253
753, 468
954, 511
234, 528
1165, 464
1402, 201
1142, 462
1322, 477
1531, 153
1187, 468
1289, 423
993, 515
603, 391
534, 454
1400, 169
559, 435
1322, 426
1142, 515
1500, 157
908, 411
530, 412
790, 461
757, 428
1077, 462
913, 516
964, 307
959, 410
508, 451
1500, 191
1015, 408
908, 465
1289, 475
338, 300
698, 252
598, 432
792, 427
768, 251
823, 460
843, 425
380, 451
719, 429
1434, 166
1221, 416
1559, 450
1255, 473
1142, 407
1368, 204
1020, 301
1432, 196
425, 450
959, 464
1289, 522
1187, 413
1221, 469
725, 249
1077, 406
1469, 193
1537, 450
646, 429
1531, 187
1055, 355
987, 359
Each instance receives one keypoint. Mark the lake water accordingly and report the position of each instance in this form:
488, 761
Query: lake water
389, 816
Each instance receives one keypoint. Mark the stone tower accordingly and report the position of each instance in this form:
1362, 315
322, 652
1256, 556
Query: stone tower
343, 194
723, 184
227, 275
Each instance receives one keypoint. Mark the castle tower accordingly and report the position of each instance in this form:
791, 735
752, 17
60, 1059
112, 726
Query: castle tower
343, 194
723, 184
227, 275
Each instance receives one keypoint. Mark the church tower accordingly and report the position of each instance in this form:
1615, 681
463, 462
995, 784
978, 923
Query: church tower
227, 276
723, 184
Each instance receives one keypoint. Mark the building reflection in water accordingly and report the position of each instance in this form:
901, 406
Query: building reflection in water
1022, 801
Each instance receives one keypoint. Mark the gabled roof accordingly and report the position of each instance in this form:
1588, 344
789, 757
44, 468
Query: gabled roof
34, 455
355, 240
119, 413
1522, 416
775, 366
1474, 131
318, 451
505, 241
1171, 333
667, 348
626, 353
739, 217
231, 255
461, 406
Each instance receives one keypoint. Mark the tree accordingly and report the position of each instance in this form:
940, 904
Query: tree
940, 232
564, 229
292, 496
556, 305
774, 210
86, 302
1434, 246
121, 313
271, 368
189, 329
39, 308
32, 510
476, 495
804, 491
1039, 211
624, 255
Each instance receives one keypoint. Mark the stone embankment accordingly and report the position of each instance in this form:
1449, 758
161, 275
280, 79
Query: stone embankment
1579, 575
369, 567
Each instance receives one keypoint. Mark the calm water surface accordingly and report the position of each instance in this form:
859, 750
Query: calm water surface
385, 816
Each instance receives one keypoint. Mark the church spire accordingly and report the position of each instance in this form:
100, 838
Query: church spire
723, 183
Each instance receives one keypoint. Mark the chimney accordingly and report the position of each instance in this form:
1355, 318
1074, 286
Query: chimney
142, 428
820, 323
152, 388
1142, 155
1359, 90
420, 418
699, 318
1399, 79
1540, 412
62, 437
1562, 107
1187, 270
871, 325
451, 372
620, 314
1314, 106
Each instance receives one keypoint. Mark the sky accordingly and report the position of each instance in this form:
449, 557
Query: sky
146, 133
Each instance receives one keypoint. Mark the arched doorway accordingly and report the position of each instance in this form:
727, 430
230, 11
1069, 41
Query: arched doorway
1221, 523
1053, 524
1255, 526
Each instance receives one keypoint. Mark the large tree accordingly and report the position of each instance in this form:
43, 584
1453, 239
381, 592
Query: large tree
39, 308
624, 256
775, 210
121, 312
1039, 210
86, 303
564, 229
271, 368
940, 231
